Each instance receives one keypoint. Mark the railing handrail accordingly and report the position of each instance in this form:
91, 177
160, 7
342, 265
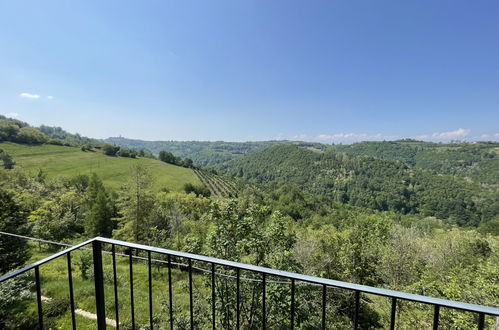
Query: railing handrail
493, 311
45, 260
313, 279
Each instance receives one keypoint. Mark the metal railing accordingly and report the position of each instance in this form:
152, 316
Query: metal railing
294, 278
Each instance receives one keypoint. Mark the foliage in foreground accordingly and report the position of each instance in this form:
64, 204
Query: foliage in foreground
411, 253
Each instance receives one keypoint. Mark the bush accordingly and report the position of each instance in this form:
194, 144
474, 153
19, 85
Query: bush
55, 142
56, 307
86, 147
8, 163
198, 190
84, 262
110, 150
124, 152
13, 293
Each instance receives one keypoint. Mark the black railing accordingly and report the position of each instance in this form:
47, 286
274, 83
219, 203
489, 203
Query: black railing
293, 278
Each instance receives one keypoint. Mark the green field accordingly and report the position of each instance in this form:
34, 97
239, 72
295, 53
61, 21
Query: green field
114, 171
54, 284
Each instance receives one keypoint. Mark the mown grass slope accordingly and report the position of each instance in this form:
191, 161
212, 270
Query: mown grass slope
55, 285
114, 171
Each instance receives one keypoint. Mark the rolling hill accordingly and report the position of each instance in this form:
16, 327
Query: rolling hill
114, 171
203, 153
477, 161
379, 184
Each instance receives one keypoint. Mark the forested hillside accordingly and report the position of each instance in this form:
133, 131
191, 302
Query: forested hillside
477, 161
203, 153
369, 182
18, 131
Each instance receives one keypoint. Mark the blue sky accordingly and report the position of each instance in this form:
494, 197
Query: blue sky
330, 71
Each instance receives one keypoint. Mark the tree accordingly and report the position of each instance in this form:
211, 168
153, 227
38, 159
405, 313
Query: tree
58, 218
8, 163
110, 150
92, 186
124, 152
166, 157
491, 226
188, 163
8, 130
135, 205
98, 220
14, 252
255, 236
30, 135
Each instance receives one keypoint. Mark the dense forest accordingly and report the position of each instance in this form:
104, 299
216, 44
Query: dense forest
394, 215
478, 161
377, 184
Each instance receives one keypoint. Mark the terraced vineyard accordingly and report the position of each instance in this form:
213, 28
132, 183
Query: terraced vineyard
219, 186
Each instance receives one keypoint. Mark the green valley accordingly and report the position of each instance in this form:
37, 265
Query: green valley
406, 215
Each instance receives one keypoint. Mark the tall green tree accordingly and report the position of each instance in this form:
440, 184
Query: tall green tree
13, 251
259, 237
98, 221
98, 218
135, 205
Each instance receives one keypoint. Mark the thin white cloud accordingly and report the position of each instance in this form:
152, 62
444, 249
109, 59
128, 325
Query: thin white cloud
50, 97
488, 136
29, 96
459, 133
12, 115
300, 137
354, 137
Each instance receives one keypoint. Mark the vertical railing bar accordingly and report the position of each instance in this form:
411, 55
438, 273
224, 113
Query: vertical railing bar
357, 306
292, 324
170, 293
100, 305
132, 308
213, 296
264, 307
481, 321
324, 293
150, 287
71, 293
392, 316
191, 302
238, 294
115, 284
39, 297
436, 315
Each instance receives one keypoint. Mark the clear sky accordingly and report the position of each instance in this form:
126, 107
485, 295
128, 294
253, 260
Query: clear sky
253, 70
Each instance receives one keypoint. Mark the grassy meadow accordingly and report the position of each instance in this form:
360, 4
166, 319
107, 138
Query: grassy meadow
54, 284
113, 171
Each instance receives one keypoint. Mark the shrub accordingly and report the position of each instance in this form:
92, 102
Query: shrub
198, 190
56, 307
110, 150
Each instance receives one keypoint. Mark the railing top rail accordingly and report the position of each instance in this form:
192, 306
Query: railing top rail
279, 273
312, 279
43, 261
